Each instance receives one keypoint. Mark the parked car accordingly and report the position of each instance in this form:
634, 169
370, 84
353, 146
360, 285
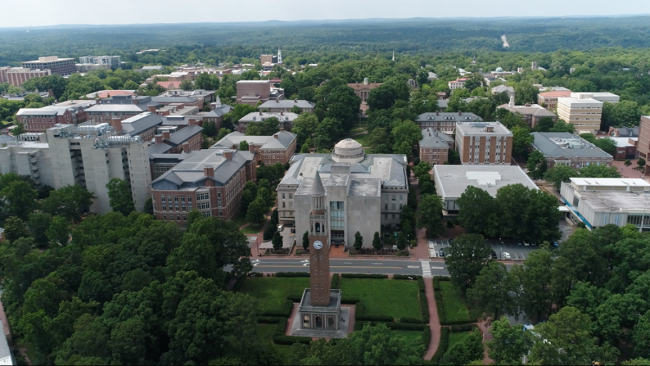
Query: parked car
506, 255
494, 255
526, 244
280, 227
520, 242
442, 252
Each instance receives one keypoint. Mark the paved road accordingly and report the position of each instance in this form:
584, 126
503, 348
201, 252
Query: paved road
403, 267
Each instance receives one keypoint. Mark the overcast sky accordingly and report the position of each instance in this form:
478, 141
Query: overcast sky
48, 12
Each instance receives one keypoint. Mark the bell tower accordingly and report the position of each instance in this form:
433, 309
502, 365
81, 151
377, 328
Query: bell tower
319, 260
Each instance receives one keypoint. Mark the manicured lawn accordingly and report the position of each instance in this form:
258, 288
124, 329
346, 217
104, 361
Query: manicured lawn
411, 336
250, 229
266, 332
457, 338
272, 292
453, 302
394, 298
362, 139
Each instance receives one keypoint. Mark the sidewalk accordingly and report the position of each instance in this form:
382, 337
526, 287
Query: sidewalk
434, 320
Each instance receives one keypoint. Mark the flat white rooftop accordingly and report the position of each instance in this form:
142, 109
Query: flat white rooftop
610, 182
454, 179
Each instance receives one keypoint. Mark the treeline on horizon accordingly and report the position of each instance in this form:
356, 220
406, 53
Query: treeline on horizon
413, 37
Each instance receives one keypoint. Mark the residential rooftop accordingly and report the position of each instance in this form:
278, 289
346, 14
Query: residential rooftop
481, 128
567, 145
286, 104
455, 179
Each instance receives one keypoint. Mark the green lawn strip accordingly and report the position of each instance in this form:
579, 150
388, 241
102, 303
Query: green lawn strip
362, 139
457, 338
266, 332
252, 229
453, 303
410, 335
394, 298
272, 292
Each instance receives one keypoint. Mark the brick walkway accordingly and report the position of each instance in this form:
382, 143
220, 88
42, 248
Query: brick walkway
487, 336
434, 320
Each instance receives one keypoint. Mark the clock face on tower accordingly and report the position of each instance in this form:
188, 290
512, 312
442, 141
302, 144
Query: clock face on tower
318, 244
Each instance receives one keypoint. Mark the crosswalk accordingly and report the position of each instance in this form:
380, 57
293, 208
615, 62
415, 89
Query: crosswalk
426, 269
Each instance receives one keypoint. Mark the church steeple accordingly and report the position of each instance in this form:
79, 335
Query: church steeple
317, 194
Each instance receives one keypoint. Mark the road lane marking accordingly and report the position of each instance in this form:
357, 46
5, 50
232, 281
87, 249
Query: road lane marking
334, 267
426, 270
347, 263
413, 267
377, 263
437, 267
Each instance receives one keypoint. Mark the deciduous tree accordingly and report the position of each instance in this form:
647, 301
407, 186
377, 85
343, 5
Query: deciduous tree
466, 257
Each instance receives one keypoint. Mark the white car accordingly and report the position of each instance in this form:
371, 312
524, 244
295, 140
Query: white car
527, 244
506, 255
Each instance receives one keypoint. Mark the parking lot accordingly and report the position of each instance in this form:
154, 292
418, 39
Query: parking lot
515, 251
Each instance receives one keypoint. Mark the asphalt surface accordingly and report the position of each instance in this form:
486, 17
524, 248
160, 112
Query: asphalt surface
403, 267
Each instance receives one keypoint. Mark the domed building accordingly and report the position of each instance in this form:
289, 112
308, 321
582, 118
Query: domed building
363, 192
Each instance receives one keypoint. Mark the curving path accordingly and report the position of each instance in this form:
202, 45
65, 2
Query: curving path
434, 320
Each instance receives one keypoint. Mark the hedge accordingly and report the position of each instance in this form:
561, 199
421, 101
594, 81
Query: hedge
426, 337
410, 320
292, 274
335, 281
349, 300
238, 284
421, 284
363, 275
269, 319
462, 328
289, 340
439, 305
279, 329
295, 298
391, 325
424, 307
285, 312
255, 274
442, 347
459, 322
405, 277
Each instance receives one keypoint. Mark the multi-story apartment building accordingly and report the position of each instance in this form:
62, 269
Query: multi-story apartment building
363, 191
217, 112
643, 146
530, 113
457, 84
40, 119
211, 181
112, 62
287, 106
17, 76
142, 125
568, 149
285, 120
278, 148
3, 74
254, 91
434, 146
86, 155
549, 99
61, 66
445, 122
105, 113
183, 140
483, 143
584, 112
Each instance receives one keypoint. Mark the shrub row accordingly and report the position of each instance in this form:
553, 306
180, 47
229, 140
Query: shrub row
349, 300
285, 312
292, 274
335, 281
424, 307
392, 325
268, 319
238, 284
426, 337
459, 322
289, 340
421, 284
442, 347
410, 320
363, 275
255, 274
294, 298
462, 328
405, 277
440, 306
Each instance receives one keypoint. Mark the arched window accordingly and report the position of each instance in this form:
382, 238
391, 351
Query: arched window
317, 227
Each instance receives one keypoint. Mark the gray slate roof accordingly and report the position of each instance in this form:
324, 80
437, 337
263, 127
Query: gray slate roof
45, 111
156, 149
628, 132
551, 145
432, 139
286, 104
448, 116
115, 108
268, 142
174, 99
184, 134
218, 112
139, 123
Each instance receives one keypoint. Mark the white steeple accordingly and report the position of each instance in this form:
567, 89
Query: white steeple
279, 57
218, 103
393, 55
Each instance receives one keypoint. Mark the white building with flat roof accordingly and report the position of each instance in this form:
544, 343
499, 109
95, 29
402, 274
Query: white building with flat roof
599, 96
451, 181
601, 201
584, 113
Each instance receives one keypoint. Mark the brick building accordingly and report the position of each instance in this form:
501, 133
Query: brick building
363, 91
549, 99
531, 113
40, 119
434, 146
483, 143
253, 91
286, 120
143, 125
568, 149
61, 66
625, 147
183, 140
287, 105
3, 74
216, 113
211, 181
445, 122
17, 76
457, 84
105, 113
643, 146
278, 148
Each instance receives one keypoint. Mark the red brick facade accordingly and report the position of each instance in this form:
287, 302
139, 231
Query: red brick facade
40, 123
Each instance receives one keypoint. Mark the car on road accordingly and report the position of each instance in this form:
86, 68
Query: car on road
526, 244
506, 255
280, 227
494, 255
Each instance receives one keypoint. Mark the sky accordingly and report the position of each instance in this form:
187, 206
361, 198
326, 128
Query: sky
48, 12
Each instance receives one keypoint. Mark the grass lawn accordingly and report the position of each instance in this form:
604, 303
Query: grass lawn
250, 229
362, 139
412, 336
272, 292
266, 332
453, 302
394, 298
457, 338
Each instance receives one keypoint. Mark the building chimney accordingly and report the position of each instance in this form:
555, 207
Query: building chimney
437, 113
295, 100
116, 123
98, 100
275, 136
460, 113
277, 101
159, 139
260, 113
227, 154
166, 135
186, 147
208, 171
192, 122
282, 127
151, 109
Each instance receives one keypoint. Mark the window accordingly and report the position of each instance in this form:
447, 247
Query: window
202, 196
283, 196
290, 196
